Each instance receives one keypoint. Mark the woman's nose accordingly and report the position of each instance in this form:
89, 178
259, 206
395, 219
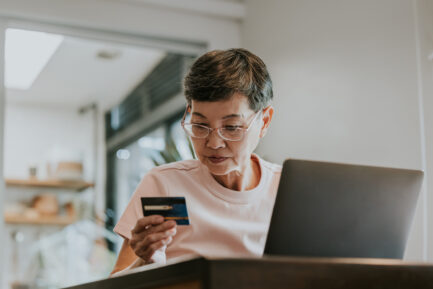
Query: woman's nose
214, 141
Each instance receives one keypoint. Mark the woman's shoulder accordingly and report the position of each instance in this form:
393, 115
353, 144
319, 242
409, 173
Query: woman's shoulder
176, 167
156, 181
272, 167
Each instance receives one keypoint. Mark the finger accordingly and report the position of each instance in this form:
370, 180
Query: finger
142, 246
169, 226
148, 253
142, 223
156, 237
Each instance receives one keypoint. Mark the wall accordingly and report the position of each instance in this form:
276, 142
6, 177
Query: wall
424, 29
346, 84
31, 134
2, 237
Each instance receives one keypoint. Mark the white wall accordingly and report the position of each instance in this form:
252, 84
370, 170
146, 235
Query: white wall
31, 134
345, 83
2, 95
424, 24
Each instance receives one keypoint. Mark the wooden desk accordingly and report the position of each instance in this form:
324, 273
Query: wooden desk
275, 273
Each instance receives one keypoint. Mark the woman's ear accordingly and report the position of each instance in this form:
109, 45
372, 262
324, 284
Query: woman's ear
268, 112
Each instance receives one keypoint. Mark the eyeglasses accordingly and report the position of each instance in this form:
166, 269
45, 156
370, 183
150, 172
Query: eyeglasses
228, 132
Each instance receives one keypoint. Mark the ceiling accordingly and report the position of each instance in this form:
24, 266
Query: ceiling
76, 75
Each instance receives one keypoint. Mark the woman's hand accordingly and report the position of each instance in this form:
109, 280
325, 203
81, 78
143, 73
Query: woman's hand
150, 234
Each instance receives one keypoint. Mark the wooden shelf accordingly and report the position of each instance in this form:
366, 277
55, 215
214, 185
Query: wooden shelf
55, 221
55, 184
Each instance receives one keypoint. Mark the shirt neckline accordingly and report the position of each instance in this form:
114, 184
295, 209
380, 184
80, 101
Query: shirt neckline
232, 196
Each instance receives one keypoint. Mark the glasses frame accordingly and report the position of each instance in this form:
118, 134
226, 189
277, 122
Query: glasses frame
218, 129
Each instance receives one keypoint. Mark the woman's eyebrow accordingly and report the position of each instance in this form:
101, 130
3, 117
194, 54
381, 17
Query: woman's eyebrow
198, 114
232, 115
225, 117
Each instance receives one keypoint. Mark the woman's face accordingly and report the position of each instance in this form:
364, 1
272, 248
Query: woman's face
221, 156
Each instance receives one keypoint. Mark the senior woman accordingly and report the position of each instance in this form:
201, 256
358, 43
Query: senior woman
229, 190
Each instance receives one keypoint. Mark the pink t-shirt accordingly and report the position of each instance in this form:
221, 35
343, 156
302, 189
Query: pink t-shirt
223, 222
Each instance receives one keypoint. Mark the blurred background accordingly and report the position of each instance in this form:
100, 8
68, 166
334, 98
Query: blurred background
92, 99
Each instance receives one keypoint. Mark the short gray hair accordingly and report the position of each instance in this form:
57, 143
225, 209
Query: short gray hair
218, 74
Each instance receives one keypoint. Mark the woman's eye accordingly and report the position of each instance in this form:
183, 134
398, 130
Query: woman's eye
200, 123
232, 127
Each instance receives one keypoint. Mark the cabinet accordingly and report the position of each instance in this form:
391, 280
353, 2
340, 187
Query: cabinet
51, 185
29, 230
56, 184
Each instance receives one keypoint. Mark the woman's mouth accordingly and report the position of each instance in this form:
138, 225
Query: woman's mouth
217, 160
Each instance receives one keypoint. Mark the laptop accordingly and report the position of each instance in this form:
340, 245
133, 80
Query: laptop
327, 209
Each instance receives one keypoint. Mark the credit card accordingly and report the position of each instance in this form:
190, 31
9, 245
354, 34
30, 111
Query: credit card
171, 208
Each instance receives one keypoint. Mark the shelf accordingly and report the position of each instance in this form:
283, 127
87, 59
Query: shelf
55, 184
55, 221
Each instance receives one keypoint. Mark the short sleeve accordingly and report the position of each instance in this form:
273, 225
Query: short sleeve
149, 186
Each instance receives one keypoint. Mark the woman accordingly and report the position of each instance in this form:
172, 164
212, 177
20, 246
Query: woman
229, 191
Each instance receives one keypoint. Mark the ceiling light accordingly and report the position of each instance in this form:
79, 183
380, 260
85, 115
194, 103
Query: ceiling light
26, 54
108, 54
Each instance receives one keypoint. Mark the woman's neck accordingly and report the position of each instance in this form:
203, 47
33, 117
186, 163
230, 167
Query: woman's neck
246, 179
